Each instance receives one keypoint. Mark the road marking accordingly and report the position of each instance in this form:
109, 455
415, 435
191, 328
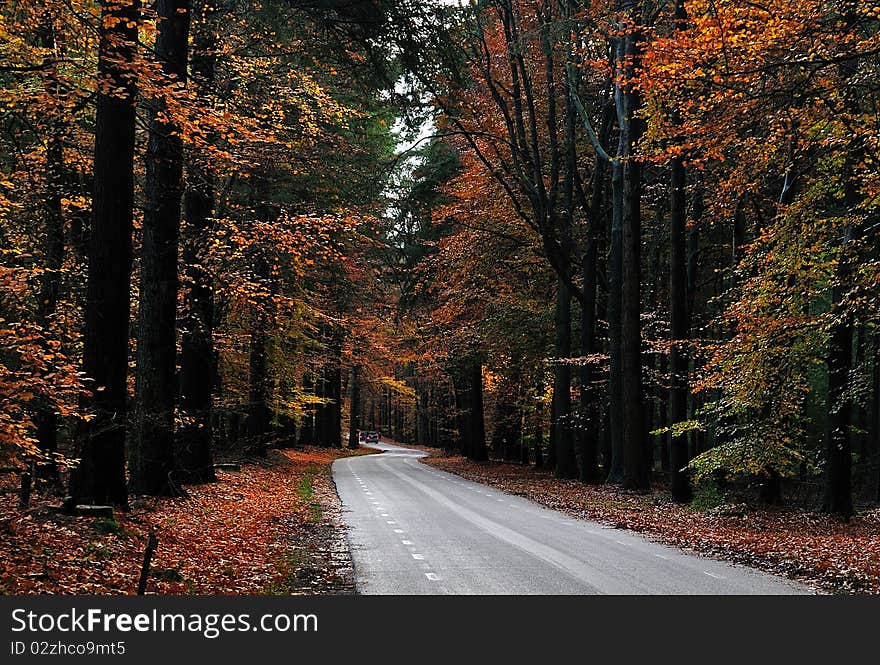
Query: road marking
432, 576
398, 531
406, 542
661, 556
620, 542
501, 500
418, 557
391, 522
717, 577
384, 514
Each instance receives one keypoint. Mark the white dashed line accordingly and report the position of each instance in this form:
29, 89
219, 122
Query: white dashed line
398, 531
418, 557
432, 576
717, 577
406, 542
661, 556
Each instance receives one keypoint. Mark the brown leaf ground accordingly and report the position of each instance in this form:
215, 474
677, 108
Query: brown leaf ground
811, 547
271, 528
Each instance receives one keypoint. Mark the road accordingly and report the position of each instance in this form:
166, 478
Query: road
416, 530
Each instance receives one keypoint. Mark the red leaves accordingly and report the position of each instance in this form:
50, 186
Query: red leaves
232, 537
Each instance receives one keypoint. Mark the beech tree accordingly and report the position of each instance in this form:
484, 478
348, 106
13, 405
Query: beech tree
100, 475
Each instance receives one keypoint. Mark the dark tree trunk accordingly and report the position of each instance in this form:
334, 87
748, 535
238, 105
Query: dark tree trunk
538, 432
588, 439
838, 456
771, 488
45, 420
332, 436
354, 412
550, 459
613, 314
479, 452
152, 453
635, 472
100, 476
259, 416
696, 445
197, 366
679, 330
566, 464
507, 432
461, 381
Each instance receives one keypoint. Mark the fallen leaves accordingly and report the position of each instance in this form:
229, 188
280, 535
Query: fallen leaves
811, 547
270, 528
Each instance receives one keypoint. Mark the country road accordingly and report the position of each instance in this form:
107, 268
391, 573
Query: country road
416, 530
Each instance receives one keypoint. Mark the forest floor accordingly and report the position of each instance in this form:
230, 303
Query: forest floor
271, 528
807, 546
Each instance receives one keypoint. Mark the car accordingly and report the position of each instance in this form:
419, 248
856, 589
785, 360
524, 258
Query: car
369, 437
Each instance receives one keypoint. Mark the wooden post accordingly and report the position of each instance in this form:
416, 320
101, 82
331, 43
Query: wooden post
152, 544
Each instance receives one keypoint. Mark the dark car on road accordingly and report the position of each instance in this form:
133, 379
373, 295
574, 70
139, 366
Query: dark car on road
369, 437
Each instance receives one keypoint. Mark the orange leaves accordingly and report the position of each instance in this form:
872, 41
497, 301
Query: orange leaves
237, 536
34, 372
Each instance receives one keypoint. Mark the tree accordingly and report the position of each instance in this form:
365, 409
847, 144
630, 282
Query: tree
100, 476
197, 357
152, 454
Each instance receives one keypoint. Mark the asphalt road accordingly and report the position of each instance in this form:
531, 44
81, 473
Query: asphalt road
416, 530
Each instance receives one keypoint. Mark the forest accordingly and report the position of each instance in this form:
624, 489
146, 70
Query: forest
631, 243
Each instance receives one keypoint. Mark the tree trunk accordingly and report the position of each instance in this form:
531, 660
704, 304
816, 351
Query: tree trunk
566, 464
461, 381
679, 330
333, 422
100, 476
259, 416
354, 411
838, 456
197, 366
538, 431
588, 440
635, 472
479, 452
613, 314
45, 419
152, 452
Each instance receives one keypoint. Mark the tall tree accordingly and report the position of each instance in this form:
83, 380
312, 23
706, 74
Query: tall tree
152, 453
679, 327
100, 475
631, 127
197, 355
